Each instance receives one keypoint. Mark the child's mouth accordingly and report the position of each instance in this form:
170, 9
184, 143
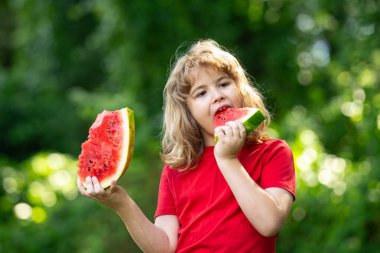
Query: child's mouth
223, 108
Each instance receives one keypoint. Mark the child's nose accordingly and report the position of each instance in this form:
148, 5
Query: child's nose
217, 96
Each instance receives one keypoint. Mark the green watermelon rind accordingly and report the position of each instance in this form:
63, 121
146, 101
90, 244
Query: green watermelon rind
253, 121
250, 122
132, 129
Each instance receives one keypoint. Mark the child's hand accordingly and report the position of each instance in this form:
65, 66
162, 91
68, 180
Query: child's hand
231, 139
113, 196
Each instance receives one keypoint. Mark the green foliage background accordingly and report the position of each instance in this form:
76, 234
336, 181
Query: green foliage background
64, 61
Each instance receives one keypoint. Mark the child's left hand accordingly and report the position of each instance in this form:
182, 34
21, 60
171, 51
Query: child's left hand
231, 139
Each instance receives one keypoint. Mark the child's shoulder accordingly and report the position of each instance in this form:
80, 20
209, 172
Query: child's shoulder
266, 150
268, 145
275, 147
275, 143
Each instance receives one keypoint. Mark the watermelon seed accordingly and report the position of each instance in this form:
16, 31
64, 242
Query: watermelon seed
88, 169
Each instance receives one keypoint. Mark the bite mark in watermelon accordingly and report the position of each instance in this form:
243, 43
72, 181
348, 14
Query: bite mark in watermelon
108, 151
250, 117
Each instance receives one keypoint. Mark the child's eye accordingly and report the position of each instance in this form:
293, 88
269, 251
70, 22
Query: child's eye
224, 84
201, 94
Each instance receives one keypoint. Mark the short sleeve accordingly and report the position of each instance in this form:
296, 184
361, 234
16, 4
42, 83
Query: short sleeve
278, 167
165, 203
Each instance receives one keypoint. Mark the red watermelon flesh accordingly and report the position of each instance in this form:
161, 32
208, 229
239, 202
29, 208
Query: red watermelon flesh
108, 151
250, 117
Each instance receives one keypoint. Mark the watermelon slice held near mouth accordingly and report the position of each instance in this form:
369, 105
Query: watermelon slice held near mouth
250, 117
108, 151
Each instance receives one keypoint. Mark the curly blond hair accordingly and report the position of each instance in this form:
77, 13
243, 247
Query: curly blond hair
182, 143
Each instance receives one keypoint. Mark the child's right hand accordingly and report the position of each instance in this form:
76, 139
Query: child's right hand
114, 196
231, 137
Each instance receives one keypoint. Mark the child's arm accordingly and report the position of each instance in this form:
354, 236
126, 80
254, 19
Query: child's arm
265, 209
159, 237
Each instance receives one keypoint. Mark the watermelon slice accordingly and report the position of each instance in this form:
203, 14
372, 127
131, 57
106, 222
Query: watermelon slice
251, 118
108, 151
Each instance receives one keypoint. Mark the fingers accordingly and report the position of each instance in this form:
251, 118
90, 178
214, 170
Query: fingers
92, 188
89, 186
81, 189
113, 186
231, 138
232, 129
219, 132
97, 187
241, 130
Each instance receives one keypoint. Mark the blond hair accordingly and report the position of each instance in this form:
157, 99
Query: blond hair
182, 143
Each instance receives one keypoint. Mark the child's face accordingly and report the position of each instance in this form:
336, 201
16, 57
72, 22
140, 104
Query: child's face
211, 90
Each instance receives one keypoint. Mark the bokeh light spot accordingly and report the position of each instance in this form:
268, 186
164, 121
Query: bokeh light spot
23, 211
10, 184
38, 215
298, 213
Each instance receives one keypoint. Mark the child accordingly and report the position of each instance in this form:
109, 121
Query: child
232, 196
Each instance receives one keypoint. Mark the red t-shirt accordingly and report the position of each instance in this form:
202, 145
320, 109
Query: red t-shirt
209, 216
